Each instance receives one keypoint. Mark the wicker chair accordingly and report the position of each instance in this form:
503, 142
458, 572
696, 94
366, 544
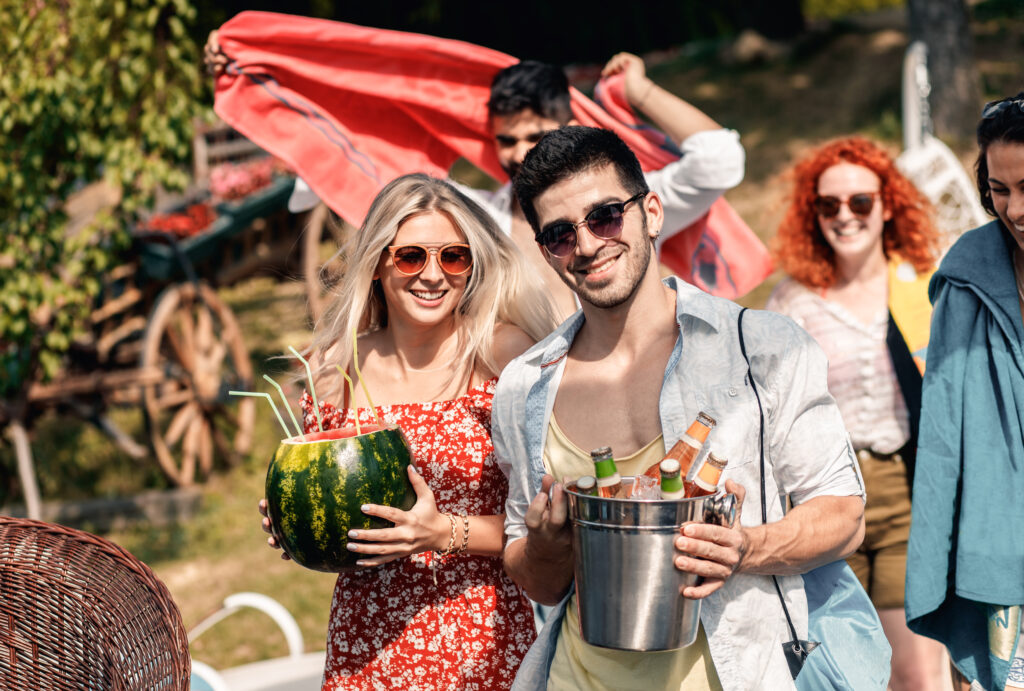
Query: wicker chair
79, 612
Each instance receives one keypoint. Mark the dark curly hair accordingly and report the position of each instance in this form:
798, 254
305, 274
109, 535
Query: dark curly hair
801, 249
1004, 123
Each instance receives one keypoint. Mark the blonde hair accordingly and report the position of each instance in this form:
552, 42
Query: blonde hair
498, 289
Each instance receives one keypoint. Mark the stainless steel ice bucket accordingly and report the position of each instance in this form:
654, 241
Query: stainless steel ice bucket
627, 586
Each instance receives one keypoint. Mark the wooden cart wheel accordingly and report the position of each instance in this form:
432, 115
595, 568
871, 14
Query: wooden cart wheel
193, 338
320, 273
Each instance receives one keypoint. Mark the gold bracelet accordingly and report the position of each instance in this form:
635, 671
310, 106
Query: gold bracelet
451, 539
465, 534
642, 101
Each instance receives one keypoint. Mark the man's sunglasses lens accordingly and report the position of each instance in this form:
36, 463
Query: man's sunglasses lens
605, 221
860, 205
559, 239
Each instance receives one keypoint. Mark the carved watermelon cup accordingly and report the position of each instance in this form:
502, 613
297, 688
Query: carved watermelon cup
317, 483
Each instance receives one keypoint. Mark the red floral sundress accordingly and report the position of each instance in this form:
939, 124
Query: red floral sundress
391, 627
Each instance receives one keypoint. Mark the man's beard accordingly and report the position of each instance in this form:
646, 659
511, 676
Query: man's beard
636, 268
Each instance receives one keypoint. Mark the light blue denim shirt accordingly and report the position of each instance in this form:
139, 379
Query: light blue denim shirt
807, 451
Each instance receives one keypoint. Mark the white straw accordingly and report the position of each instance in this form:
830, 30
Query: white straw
312, 391
284, 399
273, 406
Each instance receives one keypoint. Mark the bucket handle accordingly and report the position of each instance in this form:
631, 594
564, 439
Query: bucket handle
720, 510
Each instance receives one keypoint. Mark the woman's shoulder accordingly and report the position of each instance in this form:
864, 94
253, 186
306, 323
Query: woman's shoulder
510, 342
790, 297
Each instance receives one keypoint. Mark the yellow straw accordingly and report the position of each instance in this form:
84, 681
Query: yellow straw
273, 406
351, 396
284, 399
312, 391
362, 383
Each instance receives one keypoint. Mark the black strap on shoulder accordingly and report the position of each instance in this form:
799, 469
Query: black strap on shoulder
908, 376
764, 509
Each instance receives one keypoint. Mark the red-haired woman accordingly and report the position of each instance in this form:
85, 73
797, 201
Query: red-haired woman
859, 246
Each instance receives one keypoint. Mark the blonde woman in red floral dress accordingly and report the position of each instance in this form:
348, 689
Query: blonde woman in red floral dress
442, 302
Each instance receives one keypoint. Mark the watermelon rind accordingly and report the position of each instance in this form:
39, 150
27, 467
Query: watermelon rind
315, 489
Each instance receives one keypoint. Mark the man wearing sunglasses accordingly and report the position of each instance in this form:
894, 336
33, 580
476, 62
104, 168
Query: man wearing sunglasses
531, 98
631, 370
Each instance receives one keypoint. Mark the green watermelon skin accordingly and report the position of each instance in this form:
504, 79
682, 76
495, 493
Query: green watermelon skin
314, 491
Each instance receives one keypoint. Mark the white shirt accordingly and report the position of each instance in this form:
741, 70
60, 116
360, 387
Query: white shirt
860, 371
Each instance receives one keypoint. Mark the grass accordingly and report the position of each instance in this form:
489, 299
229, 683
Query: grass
834, 82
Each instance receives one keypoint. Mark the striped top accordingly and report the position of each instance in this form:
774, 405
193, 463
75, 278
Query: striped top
860, 372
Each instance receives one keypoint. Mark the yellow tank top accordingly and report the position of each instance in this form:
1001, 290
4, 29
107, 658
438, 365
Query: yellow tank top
578, 665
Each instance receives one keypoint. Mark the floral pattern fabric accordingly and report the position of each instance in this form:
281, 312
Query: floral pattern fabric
391, 627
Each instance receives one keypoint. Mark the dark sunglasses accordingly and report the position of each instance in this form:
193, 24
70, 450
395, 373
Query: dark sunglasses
454, 259
859, 204
993, 108
604, 222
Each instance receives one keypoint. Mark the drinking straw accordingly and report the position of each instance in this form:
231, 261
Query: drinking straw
273, 406
362, 382
351, 395
312, 391
284, 399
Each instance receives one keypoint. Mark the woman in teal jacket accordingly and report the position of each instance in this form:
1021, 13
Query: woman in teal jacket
965, 566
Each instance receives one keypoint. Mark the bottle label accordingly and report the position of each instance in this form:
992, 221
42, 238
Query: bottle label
677, 494
605, 468
608, 481
707, 477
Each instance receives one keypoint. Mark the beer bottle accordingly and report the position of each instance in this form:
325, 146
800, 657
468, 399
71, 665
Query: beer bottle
587, 485
671, 480
609, 482
706, 480
688, 447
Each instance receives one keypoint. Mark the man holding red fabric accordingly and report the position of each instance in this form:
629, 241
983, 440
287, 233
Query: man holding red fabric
530, 98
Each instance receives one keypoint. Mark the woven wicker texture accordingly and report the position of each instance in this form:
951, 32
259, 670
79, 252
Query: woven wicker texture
79, 612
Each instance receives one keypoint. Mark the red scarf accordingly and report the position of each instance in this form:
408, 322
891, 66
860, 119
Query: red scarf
350, 108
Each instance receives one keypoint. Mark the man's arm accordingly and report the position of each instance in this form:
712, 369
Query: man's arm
671, 114
542, 563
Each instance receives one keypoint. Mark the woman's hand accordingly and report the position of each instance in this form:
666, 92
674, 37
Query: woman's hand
268, 528
420, 529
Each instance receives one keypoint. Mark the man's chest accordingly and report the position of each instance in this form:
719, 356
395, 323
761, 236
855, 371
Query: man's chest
604, 406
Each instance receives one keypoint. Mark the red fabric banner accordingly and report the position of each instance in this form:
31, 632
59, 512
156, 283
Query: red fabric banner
350, 108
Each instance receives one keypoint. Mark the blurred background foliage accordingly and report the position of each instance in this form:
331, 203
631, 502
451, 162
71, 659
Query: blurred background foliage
91, 90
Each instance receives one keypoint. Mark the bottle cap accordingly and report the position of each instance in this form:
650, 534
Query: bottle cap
669, 466
586, 483
717, 461
602, 451
701, 427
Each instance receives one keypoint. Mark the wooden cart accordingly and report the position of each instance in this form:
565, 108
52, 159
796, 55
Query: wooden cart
162, 339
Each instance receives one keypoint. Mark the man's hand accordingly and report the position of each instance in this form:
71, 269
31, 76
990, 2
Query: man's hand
541, 563
638, 86
549, 537
214, 58
712, 552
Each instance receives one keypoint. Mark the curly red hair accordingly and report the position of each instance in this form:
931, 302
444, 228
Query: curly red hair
801, 249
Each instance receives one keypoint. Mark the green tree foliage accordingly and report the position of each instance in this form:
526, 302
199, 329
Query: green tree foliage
89, 90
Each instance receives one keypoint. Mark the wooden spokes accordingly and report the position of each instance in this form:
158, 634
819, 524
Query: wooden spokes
193, 338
